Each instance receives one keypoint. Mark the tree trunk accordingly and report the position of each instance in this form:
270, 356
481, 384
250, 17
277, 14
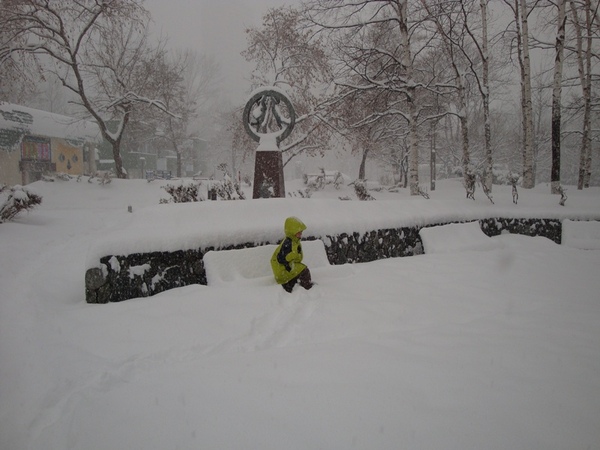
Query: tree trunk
556, 99
588, 91
178, 164
361, 169
526, 107
118, 162
584, 68
413, 139
464, 128
117, 147
450, 46
432, 158
489, 161
413, 155
115, 142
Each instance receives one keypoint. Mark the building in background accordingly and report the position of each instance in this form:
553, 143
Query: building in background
34, 143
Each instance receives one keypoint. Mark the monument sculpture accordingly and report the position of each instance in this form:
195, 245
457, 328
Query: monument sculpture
269, 118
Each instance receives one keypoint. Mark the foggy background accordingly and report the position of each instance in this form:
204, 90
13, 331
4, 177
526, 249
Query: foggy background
213, 28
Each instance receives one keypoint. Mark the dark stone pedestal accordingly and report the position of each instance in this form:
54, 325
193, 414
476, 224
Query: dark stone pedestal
268, 175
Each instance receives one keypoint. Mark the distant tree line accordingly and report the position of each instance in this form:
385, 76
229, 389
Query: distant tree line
100, 53
402, 82
413, 81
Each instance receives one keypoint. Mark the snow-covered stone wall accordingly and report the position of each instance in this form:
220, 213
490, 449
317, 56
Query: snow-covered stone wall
142, 274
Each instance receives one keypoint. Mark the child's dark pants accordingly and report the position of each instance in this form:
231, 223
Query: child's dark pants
304, 279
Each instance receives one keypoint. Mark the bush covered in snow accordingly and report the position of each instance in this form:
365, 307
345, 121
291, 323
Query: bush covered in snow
18, 199
182, 194
229, 189
360, 189
224, 190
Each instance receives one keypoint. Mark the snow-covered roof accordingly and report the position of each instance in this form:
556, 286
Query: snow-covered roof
43, 123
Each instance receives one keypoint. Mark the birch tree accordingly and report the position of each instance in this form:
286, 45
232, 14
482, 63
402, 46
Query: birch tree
583, 52
445, 16
481, 44
401, 9
526, 102
521, 11
380, 65
485, 93
557, 97
464, 27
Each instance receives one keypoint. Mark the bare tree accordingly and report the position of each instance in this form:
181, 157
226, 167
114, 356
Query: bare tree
481, 45
584, 34
184, 83
521, 12
19, 73
485, 93
374, 57
447, 17
99, 51
371, 139
462, 27
19, 79
557, 97
289, 56
571, 31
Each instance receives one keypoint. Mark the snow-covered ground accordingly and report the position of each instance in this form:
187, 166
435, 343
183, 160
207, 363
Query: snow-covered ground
486, 347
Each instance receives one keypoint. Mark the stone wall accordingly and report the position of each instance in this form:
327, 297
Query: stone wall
379, 244
548, 228
122, 277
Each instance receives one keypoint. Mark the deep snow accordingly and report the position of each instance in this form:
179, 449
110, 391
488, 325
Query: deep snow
495, 347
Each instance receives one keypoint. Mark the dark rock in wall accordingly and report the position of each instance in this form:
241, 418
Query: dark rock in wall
373, 245
548, 228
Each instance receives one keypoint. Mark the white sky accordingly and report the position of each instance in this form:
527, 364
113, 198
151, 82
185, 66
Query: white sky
213, 27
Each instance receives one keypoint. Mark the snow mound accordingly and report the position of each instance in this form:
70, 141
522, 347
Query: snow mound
254, 263
581, 234
456, 237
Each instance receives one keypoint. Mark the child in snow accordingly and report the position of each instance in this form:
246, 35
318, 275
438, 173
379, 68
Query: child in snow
287, 258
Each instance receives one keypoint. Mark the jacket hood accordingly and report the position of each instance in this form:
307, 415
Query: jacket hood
293, 225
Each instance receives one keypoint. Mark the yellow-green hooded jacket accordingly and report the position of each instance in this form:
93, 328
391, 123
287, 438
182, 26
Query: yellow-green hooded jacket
287, 258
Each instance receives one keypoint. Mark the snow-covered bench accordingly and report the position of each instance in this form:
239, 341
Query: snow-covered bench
158, 174
253, 265
323, 178
581, 234
456, 237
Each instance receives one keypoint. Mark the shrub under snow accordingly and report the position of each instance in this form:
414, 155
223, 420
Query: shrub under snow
19, 199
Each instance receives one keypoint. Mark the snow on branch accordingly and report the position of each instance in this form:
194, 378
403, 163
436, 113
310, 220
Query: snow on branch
132, 97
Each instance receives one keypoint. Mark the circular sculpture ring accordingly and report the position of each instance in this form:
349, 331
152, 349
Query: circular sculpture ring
265, 115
